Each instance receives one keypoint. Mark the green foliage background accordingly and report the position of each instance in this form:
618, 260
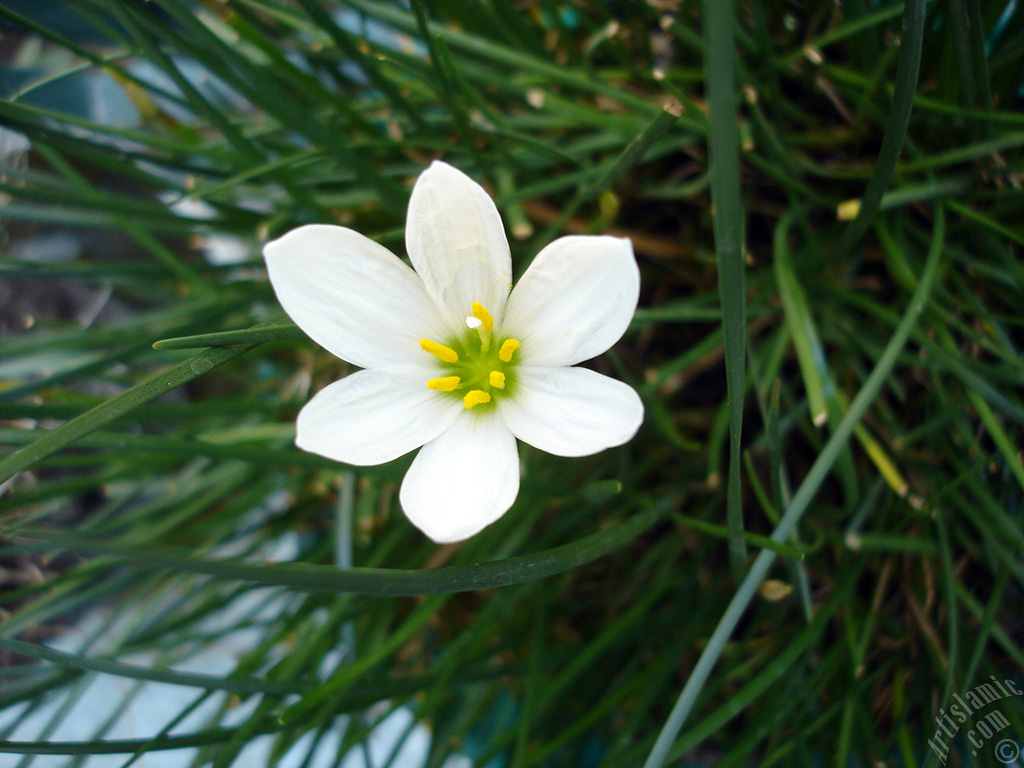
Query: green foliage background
834, 401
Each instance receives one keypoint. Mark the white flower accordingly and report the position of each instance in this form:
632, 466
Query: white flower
454, 362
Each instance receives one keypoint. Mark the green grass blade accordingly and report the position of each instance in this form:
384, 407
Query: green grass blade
724, 152
896, 127
801, 325
377, 581
258, 335
135, 672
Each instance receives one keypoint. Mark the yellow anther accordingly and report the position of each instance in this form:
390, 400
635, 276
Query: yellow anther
507, 348
475, 397
480, 313
497, 379
446, 384
447, 354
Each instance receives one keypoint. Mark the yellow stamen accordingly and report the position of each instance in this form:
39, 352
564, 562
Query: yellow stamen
446, 384
507, 348
497, 379
447, 354
475, 397
480, 313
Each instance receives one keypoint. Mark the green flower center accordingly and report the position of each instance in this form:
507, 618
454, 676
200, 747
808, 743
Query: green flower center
477, 367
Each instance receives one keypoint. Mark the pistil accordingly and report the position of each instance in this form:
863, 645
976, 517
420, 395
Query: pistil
483, 323
480, 313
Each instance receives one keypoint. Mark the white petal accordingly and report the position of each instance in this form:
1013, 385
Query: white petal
571, 411
374, 416
457, 243
353, 297
574, 301
464, 480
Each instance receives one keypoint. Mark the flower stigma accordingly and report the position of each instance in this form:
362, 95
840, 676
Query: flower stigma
474, 371
480, 313
482, 322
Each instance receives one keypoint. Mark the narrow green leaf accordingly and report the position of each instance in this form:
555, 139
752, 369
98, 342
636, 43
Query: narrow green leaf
753, 539
257, 335
373, 581
127, 746
724, 152
135, 672
798, 319
252, 451
912, 41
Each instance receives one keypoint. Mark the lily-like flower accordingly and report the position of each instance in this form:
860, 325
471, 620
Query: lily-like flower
456, 363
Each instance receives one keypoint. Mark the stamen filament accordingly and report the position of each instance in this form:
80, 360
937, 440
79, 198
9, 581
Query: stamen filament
497, 379
507, 348
446, 354
475, 397
444, 384
480, 313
